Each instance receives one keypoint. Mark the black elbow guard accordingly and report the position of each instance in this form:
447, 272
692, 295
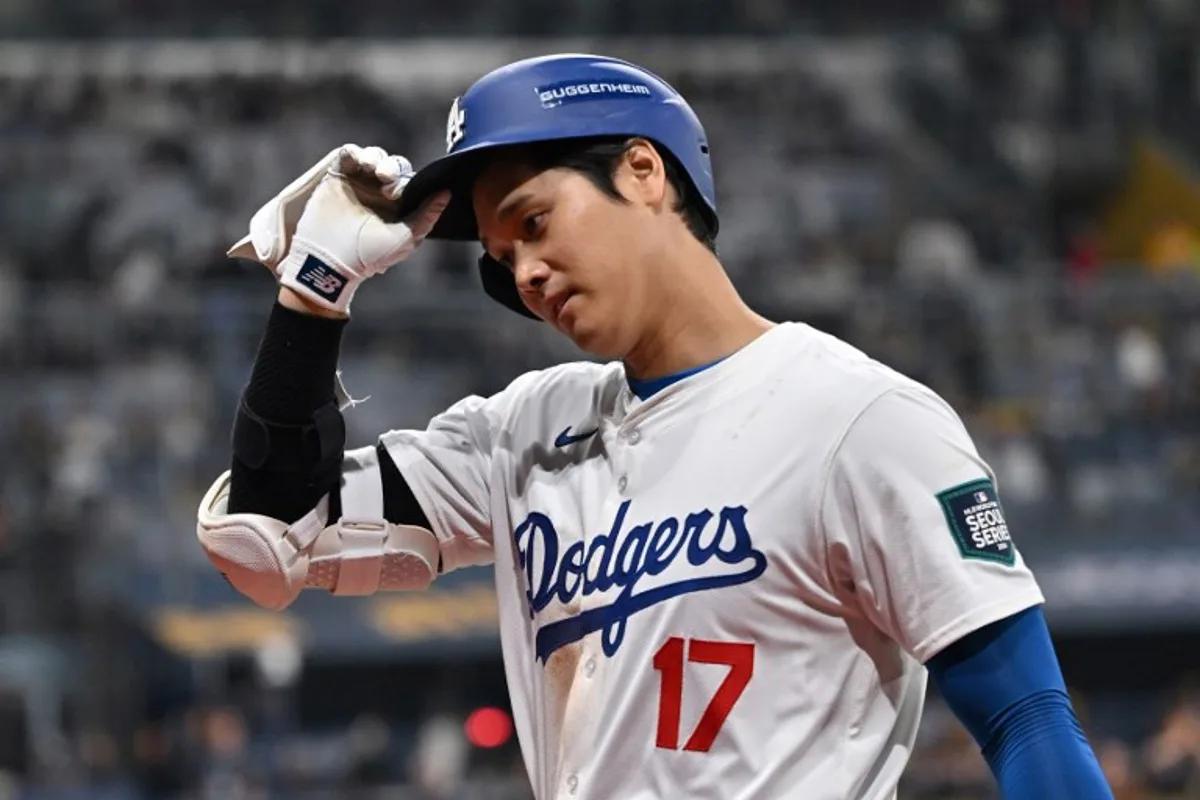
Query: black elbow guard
309, 453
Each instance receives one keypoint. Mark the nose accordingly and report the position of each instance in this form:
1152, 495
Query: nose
529, 272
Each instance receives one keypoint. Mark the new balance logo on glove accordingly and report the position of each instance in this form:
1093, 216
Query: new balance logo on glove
321, 278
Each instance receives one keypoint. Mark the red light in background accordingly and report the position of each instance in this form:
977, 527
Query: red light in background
488, 727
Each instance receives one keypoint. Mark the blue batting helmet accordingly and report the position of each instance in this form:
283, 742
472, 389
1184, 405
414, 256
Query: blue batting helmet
551, 98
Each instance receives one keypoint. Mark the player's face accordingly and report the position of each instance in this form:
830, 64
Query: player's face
579, 257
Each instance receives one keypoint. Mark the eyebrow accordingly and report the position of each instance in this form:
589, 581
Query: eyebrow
506, 209
512, 204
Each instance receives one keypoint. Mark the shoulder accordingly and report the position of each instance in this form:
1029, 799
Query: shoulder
565, 394
572, 382
534, 407
889, 428
842, 366
846, 384
854, 409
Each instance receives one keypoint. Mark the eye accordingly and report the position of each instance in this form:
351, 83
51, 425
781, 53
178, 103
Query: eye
532, 224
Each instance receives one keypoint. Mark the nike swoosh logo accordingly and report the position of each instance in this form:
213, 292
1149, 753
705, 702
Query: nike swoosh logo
566, 437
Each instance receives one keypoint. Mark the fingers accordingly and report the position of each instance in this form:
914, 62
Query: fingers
425, 217
392, 172
382, 244
391, 168
355, 160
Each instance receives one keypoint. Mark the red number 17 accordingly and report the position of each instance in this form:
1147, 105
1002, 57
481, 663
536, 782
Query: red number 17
669, 660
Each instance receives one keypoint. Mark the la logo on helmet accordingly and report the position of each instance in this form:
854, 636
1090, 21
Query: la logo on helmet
456, 125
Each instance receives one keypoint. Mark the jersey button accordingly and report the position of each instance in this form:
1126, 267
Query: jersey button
589, 668
622, 483
572, 783
635, 436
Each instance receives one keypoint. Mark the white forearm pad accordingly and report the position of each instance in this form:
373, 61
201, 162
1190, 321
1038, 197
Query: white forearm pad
364, 553
271, 562
357, 557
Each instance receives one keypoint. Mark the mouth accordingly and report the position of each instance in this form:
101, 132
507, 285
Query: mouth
555, 305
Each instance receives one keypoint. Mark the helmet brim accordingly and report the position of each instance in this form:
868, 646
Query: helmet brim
456, 173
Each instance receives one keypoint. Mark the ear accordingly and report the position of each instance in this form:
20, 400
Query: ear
644, 174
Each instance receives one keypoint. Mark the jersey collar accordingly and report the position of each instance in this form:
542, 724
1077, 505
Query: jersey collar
645, 389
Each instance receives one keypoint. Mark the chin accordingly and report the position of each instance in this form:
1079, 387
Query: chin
597, 332
598, 341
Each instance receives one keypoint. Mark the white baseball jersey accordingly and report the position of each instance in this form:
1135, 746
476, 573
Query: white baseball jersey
726, 590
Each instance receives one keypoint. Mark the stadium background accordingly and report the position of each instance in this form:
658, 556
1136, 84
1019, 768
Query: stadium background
998, 198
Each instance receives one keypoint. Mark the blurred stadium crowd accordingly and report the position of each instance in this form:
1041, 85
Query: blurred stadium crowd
932, 195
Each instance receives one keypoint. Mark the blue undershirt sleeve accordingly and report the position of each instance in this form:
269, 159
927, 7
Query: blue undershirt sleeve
1004, 684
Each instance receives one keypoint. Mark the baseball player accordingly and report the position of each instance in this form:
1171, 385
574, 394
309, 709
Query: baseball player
727, 555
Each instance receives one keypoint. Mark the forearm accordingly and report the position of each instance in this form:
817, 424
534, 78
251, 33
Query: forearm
279, 508
294, 377
291, 384
1039, 751
274, 524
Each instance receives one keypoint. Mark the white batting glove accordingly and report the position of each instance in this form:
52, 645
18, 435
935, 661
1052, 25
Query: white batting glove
273, 225
323, 235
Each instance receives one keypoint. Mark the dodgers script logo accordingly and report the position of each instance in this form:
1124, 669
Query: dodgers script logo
716, 544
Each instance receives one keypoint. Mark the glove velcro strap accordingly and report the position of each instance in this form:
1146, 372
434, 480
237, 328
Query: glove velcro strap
315, 273
315, 277
362, 549
313, 448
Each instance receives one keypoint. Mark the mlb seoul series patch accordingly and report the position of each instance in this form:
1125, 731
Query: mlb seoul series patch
321, 278
977, 523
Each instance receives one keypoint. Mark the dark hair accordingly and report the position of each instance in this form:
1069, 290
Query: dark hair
596, 159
